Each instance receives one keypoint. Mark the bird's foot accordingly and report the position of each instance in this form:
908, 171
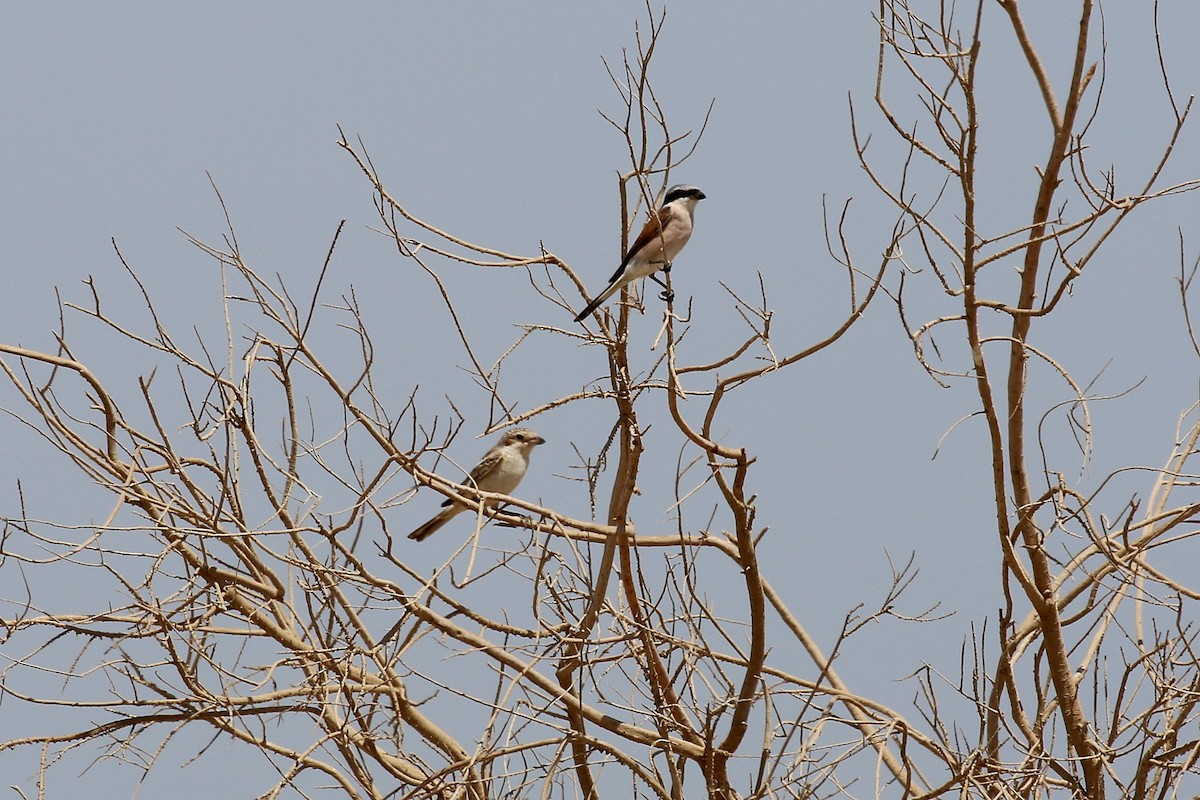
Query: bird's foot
666, 294
666, 267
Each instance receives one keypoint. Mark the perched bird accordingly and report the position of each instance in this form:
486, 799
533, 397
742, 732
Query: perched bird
498, 472
665, 234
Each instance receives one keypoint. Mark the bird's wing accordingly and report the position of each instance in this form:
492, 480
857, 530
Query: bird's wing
651, 231
481, 471
486, 467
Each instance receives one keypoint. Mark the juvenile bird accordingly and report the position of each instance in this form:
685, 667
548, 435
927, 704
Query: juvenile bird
498, 472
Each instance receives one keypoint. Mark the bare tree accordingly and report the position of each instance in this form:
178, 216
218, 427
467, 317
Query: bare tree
251, 583
1086, 682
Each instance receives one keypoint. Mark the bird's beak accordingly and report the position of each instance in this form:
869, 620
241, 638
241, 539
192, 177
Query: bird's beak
539, 440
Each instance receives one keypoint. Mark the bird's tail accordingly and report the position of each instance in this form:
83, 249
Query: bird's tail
600, 300
431, 527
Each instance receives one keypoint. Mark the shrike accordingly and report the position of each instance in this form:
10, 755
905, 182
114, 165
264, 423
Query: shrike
665, 234
498, 472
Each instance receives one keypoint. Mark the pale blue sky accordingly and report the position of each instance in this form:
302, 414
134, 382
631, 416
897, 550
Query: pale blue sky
483, 119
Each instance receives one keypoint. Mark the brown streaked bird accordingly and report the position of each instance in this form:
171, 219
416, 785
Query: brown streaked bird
498, 472
665, 234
